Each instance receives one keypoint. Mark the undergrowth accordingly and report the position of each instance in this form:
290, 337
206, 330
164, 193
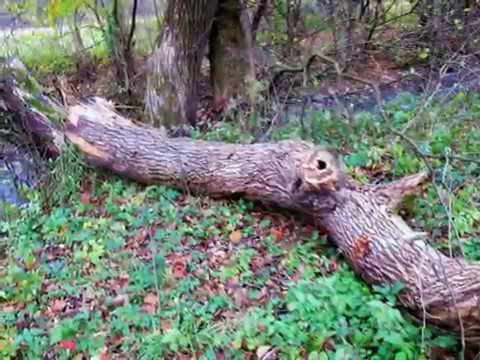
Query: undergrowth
107, 268
48, 51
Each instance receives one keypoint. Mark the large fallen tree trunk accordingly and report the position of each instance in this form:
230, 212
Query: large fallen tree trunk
299, 176
379, 245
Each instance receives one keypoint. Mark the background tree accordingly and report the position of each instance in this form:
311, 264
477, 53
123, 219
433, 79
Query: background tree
174, 71
116, 20
230, 52
121, 24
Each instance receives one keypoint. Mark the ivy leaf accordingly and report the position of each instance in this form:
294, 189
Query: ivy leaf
358, 159
444, 342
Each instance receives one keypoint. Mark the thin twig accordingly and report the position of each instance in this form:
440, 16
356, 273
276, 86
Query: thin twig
132, 26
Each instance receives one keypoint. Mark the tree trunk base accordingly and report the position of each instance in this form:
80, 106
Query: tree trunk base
172, 94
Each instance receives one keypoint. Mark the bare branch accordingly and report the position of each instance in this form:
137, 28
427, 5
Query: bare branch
132, 25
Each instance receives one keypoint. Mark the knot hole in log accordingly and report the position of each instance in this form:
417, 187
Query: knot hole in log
321, 165
322, 170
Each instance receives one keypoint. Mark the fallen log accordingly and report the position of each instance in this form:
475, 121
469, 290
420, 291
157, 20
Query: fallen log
298, 176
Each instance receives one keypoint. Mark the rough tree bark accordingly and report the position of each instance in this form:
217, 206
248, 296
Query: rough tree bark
230, 53
292, 18
298, 176
172, 95
172, 84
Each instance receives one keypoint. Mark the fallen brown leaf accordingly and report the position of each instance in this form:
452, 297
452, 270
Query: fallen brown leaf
236, 236
150, 303
120, 282
104, 356
9, 308
179, 268
165, 325
58, 305
85, 198
279, 234
240, 297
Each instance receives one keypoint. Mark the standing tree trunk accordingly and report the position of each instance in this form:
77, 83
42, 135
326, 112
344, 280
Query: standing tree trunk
350, 28
231, 57
83, 61
172, 89
122, 40
257, 18
292, 19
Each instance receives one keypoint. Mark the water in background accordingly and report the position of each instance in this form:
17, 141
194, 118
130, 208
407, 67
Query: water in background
16, 172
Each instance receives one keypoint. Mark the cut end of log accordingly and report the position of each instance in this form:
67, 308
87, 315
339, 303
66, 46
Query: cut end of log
96, 110
86, 148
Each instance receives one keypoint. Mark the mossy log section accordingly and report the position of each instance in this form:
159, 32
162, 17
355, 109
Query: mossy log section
298, 176
26, 113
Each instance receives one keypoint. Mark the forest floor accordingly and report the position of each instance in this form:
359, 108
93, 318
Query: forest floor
96, 267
